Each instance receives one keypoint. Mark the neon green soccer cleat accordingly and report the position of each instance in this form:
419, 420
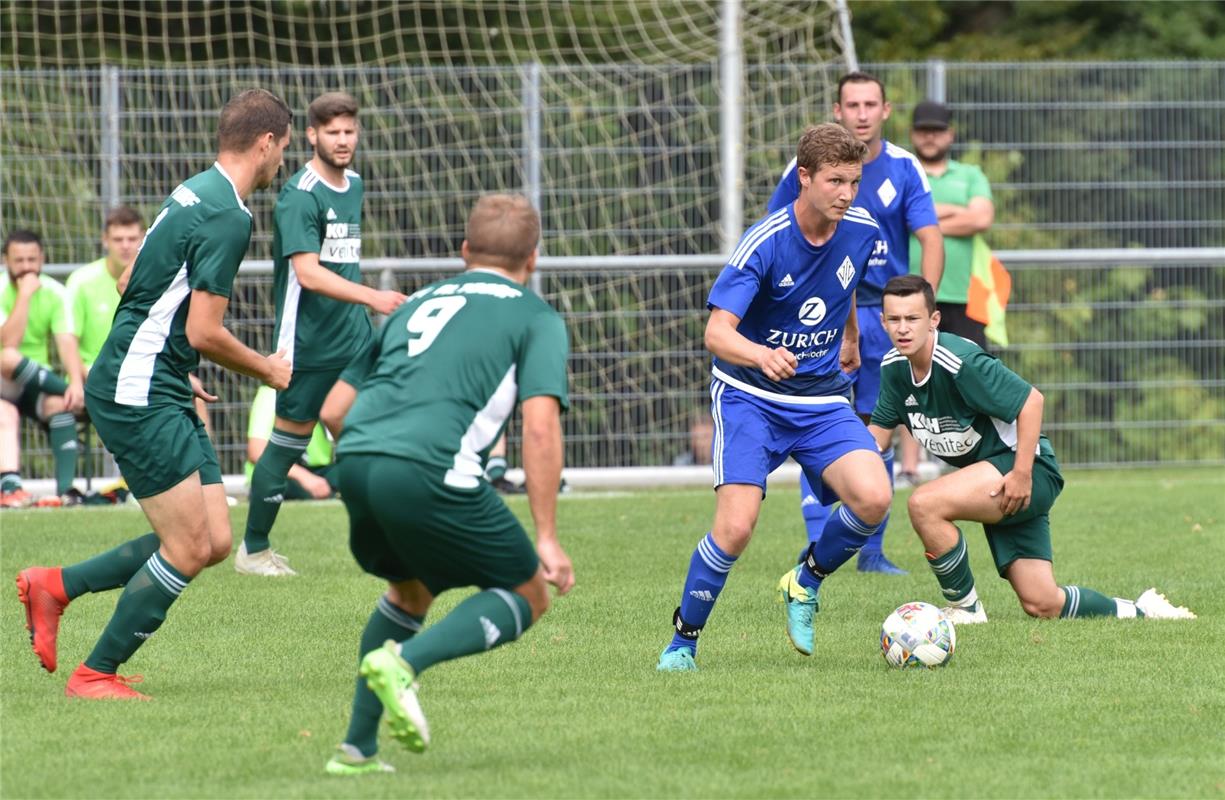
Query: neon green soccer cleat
348, 760
801, 605
391, 679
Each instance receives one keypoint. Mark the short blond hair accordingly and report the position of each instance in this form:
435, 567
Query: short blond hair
828, 144
503, 231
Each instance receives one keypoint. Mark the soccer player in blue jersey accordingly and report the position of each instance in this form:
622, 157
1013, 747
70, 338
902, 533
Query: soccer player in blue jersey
783, 333
895, 191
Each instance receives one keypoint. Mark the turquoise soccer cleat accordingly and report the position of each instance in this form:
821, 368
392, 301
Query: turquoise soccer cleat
678, 659
391, 679
801, 603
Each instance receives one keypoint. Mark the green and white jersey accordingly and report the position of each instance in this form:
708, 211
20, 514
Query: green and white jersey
964, 411
48, 315
449, 366
197, 241
312, 216
93, 297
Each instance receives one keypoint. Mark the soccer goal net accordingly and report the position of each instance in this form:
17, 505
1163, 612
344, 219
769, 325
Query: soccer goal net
640, 128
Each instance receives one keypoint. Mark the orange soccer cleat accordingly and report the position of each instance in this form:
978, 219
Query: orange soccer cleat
90, 684
41, 591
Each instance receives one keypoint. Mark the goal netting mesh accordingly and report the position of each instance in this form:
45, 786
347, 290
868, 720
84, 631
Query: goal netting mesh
608, 112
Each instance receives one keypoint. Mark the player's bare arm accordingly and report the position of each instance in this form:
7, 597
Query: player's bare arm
542, 462
315, 277
207, 334
1015, 490
725, 341
931, 241
966, 220
70, 357
848, 355
883, 436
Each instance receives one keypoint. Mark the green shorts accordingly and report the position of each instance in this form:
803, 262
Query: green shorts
358, 368
1026, 534
308, 388
156, 447
405, 523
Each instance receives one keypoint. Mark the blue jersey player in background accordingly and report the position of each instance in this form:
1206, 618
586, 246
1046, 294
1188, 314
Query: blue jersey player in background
895, 191
783, 333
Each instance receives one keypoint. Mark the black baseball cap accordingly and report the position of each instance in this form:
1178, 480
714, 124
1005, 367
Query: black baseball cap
930, 115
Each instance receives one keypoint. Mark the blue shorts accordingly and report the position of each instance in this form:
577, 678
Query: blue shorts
753, 436
873, 344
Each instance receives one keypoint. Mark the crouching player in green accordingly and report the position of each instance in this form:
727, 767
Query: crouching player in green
449, 367
963, 405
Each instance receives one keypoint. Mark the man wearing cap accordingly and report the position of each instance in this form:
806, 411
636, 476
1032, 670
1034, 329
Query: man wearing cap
964, 209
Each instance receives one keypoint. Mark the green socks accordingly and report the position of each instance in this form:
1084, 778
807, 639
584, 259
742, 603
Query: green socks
1081, 602
268, 485
495, 468
952, 571
387, 622
48, 382
10, 482
111, 569
140, 612
62, 430
482, 622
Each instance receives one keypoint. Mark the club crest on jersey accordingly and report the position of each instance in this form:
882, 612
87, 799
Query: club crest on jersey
886, 192
812, 311
846, 272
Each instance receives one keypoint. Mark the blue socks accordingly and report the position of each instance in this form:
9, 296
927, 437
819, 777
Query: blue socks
843, 537
707, 574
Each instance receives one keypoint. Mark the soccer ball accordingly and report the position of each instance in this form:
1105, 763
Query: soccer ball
917, 635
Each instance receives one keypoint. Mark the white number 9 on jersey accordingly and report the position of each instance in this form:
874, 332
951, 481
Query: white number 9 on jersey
428, 321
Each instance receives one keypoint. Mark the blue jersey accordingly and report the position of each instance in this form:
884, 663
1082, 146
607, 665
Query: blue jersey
895, 191
790, 293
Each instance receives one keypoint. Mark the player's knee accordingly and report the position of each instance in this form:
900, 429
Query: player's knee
221, 545
1044, 605
922, 505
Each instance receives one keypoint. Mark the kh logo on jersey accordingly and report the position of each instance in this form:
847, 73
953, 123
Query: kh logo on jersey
846, 272
813, 309
943, 436
342, 243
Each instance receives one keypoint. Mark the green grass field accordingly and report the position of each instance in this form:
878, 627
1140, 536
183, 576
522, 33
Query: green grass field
252, 677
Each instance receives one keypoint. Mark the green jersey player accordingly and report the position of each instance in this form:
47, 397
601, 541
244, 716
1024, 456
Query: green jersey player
321, 320
139, 395
449, 366
974, 413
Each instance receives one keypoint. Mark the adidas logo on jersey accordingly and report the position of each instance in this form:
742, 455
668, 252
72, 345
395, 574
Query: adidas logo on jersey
910, 401
846, 272
331, 214
492, 633
786, 282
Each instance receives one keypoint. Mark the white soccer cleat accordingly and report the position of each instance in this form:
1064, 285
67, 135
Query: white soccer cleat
965, 616
1155, 606
266, 562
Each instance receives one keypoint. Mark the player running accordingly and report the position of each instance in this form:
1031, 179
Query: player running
139, 396
783, 333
